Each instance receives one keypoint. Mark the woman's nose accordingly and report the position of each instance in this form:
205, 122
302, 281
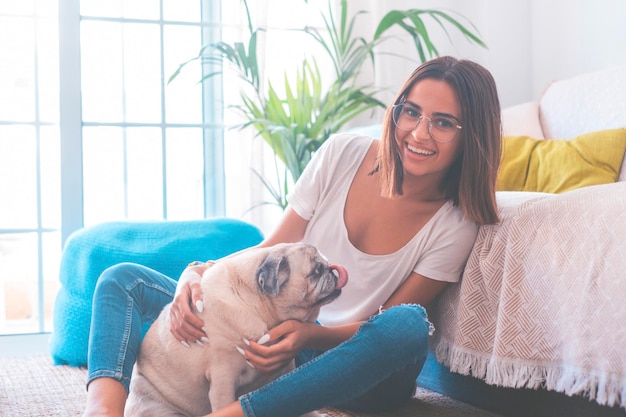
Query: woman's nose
421, 129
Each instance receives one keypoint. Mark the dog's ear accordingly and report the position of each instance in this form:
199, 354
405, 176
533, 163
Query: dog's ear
272, 273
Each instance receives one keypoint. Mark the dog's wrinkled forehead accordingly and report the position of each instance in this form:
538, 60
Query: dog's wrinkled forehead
282, 261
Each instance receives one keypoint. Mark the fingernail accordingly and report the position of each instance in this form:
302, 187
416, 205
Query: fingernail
199, 343
205, 339
246, 341
240, 350
264, 339
200, 306
185, 344
250, 364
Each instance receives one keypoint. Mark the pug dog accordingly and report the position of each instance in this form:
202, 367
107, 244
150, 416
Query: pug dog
244, 295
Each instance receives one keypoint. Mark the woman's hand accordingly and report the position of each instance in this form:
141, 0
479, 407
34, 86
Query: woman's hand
279, 346
185, 325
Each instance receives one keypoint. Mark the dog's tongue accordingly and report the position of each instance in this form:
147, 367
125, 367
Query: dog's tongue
342, 275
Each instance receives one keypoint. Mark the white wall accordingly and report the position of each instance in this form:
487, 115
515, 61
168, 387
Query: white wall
588, 36
530, 42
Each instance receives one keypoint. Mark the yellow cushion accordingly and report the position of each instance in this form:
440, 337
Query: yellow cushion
558, 165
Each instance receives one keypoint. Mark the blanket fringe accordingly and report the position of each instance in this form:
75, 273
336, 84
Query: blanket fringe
601, 387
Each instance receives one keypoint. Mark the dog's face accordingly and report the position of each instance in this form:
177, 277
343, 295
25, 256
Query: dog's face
298, 280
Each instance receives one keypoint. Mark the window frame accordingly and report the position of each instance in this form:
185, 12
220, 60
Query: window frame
71, 124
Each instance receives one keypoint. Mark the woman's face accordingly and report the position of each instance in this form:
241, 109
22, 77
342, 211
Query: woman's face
421, 154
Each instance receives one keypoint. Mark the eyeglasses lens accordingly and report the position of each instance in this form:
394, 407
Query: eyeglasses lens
407, 118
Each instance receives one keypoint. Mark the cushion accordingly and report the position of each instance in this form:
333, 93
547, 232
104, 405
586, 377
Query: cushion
584, 103
522, 120
622, 170
167, 246
558, 165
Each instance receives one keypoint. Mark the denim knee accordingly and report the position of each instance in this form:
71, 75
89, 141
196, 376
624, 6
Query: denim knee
119, 275
406, 328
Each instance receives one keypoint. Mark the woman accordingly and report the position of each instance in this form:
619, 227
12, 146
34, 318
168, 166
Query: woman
401, 213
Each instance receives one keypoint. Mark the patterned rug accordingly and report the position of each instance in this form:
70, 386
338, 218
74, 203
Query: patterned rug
33, 387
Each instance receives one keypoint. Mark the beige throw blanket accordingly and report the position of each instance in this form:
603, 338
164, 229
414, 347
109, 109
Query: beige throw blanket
542, 302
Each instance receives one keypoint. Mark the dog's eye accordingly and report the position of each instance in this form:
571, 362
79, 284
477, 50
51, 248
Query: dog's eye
319, 270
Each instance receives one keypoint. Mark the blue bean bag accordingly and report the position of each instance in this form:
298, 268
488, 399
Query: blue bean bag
166, 246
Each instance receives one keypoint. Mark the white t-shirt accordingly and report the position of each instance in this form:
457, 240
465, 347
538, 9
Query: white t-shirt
438, 251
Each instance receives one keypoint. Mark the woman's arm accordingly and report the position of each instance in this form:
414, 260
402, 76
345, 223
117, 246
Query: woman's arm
416, 289
290, 229
283, 342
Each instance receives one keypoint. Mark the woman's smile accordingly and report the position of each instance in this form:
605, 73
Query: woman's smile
419, 151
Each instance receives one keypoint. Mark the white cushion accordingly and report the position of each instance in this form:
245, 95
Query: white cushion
522, 120
583, 104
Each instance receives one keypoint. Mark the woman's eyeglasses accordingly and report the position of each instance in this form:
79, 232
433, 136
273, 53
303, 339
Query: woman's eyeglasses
442, 129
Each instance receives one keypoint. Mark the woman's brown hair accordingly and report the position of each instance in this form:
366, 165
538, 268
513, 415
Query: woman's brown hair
471, 180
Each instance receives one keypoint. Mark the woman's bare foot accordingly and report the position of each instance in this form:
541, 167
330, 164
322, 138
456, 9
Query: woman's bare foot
106, 397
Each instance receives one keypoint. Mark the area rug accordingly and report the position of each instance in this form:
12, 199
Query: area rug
32, 386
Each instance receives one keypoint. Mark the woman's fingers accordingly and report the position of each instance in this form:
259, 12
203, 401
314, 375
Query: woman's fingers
266, 364
185, 325
196, 296
271, 356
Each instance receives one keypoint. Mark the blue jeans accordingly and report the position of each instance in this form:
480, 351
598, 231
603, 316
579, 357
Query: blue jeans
375, 370
127, 299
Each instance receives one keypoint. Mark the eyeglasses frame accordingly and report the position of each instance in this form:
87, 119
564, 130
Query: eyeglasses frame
419, 119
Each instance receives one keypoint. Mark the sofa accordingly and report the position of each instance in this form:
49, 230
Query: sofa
540, 309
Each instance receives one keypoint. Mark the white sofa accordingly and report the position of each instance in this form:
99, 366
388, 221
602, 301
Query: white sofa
542, 302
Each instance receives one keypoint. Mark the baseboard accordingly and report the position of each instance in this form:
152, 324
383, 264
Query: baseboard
509, 402
24, 344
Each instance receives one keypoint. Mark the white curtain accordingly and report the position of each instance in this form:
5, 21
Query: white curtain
281, 48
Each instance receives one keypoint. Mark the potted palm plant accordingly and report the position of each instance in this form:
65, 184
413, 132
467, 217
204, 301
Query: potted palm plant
297, 123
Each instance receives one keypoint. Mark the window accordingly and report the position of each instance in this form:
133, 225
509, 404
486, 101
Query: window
30, 161
145, 143
90, 131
